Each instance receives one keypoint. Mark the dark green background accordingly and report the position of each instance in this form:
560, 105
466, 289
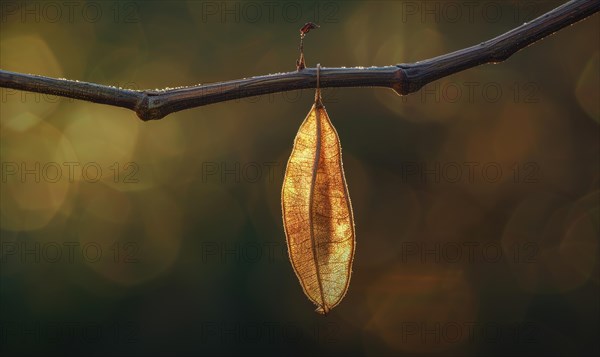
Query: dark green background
202, 266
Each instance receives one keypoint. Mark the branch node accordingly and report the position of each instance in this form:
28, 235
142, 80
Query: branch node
144, 111
400, 84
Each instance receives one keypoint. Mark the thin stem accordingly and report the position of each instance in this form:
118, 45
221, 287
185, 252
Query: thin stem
403, 78
300, 65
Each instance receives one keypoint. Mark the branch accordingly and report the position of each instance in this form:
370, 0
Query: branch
403, 78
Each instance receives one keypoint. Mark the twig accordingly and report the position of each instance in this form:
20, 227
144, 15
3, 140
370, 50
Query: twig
403, 78
300, 63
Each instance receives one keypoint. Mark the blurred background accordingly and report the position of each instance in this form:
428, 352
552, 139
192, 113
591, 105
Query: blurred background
476, 200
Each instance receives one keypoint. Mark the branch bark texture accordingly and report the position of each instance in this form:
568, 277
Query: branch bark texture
404, 78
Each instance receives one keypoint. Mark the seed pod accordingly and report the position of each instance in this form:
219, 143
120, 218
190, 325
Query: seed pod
317, 212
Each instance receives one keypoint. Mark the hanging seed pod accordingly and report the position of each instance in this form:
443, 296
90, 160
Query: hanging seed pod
317, 212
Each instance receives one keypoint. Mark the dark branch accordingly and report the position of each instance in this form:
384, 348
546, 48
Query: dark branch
497, 49
403, 78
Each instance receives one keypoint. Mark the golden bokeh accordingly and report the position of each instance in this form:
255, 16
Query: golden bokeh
587, 87
168, 214
424, 312
36, 179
